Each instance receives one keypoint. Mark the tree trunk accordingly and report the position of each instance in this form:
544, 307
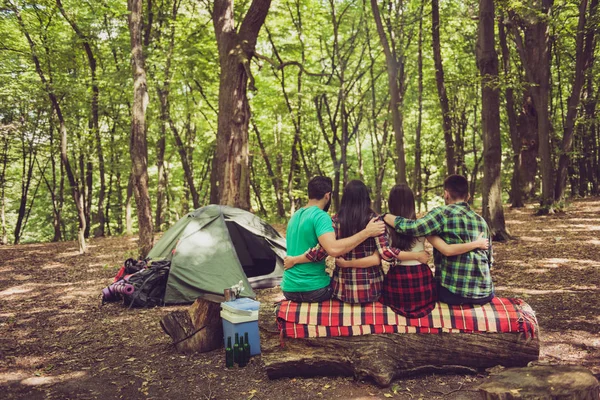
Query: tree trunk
384, 358
418, 179
591, 147
138, 145
4, 160
160, 164
75, 191
441, 87
129, 206
274, 180
535, 56
584, 49
197, 329
94, 119
394, 66
185, 159
379, 141
89, 186
487, 60
56, 197
28, 154
516, 191
528, 134
230, 180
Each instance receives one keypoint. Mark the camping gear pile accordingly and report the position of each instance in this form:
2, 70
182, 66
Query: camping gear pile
209, 250
139, 284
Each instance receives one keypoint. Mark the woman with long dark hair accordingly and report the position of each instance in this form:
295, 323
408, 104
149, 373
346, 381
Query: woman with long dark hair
362, 281
409, 287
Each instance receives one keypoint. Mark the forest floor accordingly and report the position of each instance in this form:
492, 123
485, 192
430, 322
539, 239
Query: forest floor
57, 341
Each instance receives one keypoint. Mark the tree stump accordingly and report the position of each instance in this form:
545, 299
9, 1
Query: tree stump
198, 329
387, 357
559, 382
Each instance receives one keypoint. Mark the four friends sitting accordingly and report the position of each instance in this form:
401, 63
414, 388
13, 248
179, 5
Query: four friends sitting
360, 240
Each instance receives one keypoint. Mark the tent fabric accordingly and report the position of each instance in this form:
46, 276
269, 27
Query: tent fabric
215, 247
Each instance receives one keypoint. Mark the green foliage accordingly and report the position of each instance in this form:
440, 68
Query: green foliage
347, 69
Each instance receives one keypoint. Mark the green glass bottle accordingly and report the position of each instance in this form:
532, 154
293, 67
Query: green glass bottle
242, 362
246, 347
236, 349
229, 353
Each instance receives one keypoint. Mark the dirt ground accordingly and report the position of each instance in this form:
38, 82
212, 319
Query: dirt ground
57, 341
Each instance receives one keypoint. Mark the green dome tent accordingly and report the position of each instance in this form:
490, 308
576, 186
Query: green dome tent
215, 247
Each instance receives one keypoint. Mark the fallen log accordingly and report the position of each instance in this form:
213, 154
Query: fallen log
384, 358
197, 329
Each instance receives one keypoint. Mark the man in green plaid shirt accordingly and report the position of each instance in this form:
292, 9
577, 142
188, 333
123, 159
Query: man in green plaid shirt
463, 278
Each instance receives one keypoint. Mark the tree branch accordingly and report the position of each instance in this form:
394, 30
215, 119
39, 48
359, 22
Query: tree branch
282, 65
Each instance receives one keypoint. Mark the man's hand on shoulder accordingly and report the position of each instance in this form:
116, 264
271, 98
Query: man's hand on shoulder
375, 227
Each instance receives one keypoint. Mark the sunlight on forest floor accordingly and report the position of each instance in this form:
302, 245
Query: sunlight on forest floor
55, 335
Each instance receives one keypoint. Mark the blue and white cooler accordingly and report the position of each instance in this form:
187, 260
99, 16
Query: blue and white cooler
240, 316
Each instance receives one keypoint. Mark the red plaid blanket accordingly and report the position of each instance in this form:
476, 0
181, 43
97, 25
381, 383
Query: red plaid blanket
335, 318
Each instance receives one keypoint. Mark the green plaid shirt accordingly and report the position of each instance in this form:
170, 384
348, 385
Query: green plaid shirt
468, 274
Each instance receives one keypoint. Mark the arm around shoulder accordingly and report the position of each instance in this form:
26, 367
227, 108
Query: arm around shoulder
449, 250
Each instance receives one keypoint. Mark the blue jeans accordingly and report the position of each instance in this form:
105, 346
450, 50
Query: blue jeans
446, 296
312, 296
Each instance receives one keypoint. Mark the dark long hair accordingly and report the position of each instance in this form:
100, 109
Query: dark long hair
355, 209
402, 202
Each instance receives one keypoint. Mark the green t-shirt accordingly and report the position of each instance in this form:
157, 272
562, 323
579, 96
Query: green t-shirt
303, 231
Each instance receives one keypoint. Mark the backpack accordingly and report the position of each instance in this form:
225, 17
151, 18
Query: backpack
130, 266
148, 284
138, 284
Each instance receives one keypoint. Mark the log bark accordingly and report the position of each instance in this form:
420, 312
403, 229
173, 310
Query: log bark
197, 329
542, 383
384, 358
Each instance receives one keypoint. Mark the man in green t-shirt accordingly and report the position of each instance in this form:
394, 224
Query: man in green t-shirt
309, 226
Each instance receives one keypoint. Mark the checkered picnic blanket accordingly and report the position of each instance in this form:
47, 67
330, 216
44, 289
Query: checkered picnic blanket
335, 318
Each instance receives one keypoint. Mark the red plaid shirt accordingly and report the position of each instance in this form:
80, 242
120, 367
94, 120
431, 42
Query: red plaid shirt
410, 290
358, 285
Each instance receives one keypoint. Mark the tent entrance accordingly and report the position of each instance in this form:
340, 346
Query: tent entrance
253, 251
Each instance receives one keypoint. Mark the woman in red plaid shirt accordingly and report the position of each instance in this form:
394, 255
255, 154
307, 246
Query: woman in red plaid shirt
409, 287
